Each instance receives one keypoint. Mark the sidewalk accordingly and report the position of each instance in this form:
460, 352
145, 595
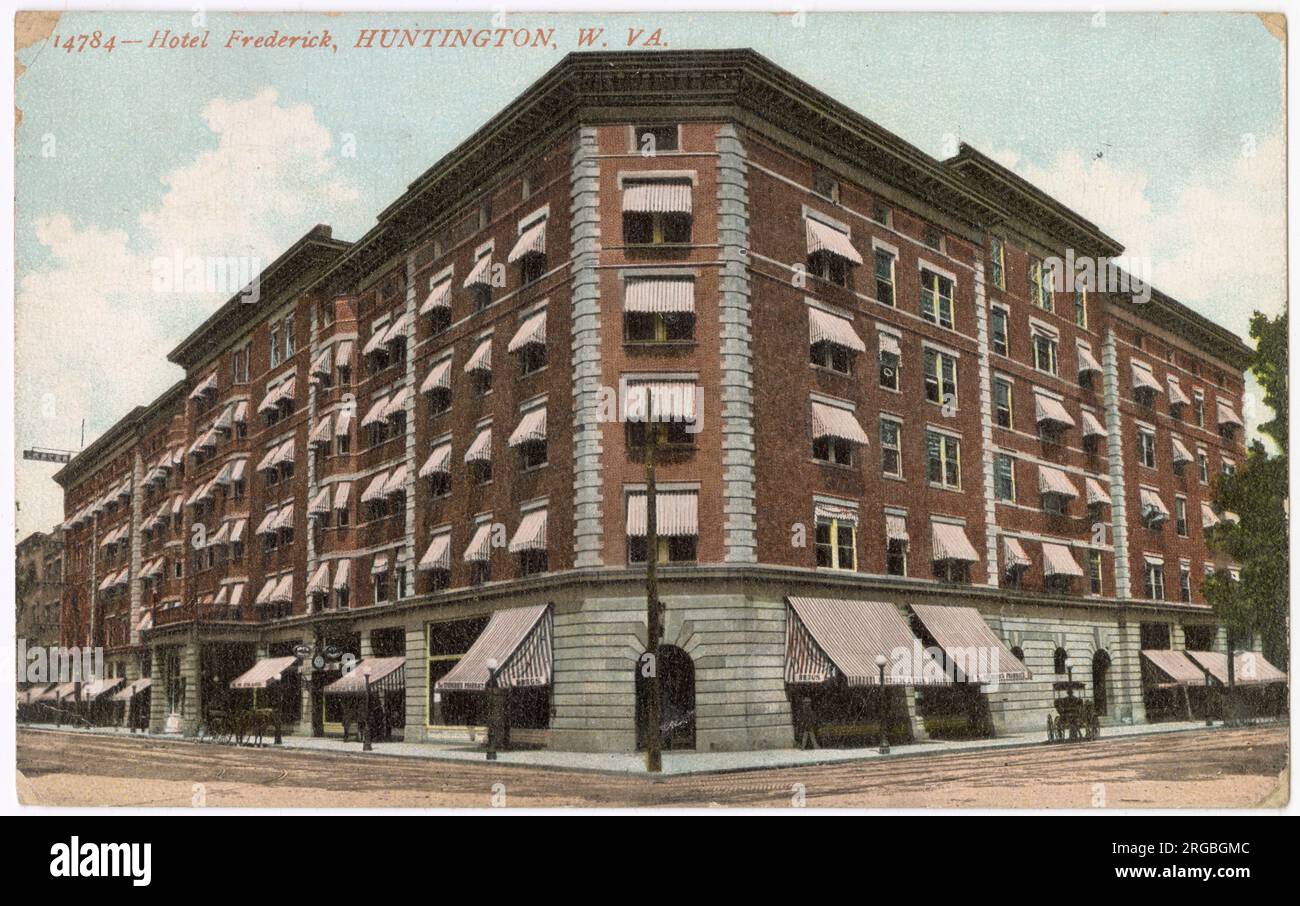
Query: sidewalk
674, 763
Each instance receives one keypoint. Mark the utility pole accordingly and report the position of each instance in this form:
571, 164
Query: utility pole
1229, 705
654, 626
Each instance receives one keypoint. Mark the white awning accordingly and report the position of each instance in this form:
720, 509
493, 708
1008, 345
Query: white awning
659, 295
531, 534
264, 596
375, 414
341, 495
532, 331
657, 198
1208, 517
284, 453
321, 433
481, 449
320, 504
949, 542
1143, 379
323, 364
284, 518
532, 241
481, 358
226, 420
438, 554
1047, 409
341, 574
1058, 561
345, 354
481, 273
241, 412
398, 329
1176, 395
832, 421
237, 530
283, 593
824, 327
825, 238
1152, 505
480, 546
1095, 493
439, 461
1087, 362
222, 535
396, 404
267, 525
1014, 554
342, 422
670, 401
207, 385
396, 483
1180, 452
676, 514
375, 490
376, 341
531, 427
1054, 481
1228, 415
896, 527
439, 377
319, 584
1092, 426
439, 297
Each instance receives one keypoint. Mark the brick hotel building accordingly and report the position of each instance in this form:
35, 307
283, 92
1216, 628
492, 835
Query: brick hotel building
415, 448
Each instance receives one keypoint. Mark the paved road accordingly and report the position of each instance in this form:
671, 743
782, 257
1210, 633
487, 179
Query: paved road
1200, 769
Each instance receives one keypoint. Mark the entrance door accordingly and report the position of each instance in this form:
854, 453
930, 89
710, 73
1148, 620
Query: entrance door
1100, 692
675, 673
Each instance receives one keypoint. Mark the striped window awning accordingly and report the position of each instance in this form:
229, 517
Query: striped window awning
320, 504
516, 643
949, 542
481, 358
1087, 362
1092, 426
531, 428
237, 527
657, 197
207, 385
396, 404
439, 377
896, 527
1209, 518
974, 653
226, 420
399, 329
1249, 668
283, 593
1047, 409
827, 637
396, 483
1014, 554
824, 327
844, 515
266, 671
342, 422
438, 555
264, 596
267, 525
531, 332
668, 401
1055, 481
888, 344
267, 460
241, 412
1058, 561
1094, 493
319, 583
380, 674
221, 536
321, 434
481, 449
1152, 506
284, 453
323, 364
439, 298
532, 241
438, 463
531, 534
480, 546
1143, 379
341, 574
825, 238
344, 354
481, 273
659, 295
376, 341
375, 490
1228, 415
341, 494
1176, 395
284, 518
676, 514
375, 414
1180, 452
832, 421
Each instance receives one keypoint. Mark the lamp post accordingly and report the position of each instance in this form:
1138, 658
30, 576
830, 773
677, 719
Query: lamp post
493, 708
365, 724
884, 711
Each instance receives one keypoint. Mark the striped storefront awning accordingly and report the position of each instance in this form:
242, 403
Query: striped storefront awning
1249, 667
386, 674
659, 295
518, 640
96, 689
976, 655
826, 637
676, 514
825, 238
131, 690
832, 421
266, 671
824, 327
658, 197
1177, 666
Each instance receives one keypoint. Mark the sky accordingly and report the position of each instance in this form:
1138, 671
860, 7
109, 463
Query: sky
1165, 130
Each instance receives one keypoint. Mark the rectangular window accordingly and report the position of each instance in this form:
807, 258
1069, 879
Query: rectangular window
1002, 403
381, 587
884, 266
940, 378
933, 238
998, 336
833, 450
826, 186
1081, 306
1203, 466
275, 346
1045, 353
889, 363
1180, 516
1147, 448
650, 140
836, 544
936, 299
1040, 284
1155, 581
943, 452
1004, 478
997, 262
290, 345
896, 558
1094, 572
1184, 583
891, 453
1198, 403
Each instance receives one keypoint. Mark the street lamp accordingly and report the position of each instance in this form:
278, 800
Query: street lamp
365, 725
493, 707
884, 739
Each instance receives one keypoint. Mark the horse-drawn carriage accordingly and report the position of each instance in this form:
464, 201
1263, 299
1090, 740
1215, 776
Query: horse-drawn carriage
1076, 718
250, 725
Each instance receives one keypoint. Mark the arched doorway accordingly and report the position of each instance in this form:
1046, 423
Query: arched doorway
1100, 689
675, 673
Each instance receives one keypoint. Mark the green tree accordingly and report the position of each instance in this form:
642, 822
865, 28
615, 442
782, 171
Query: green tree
1257, 604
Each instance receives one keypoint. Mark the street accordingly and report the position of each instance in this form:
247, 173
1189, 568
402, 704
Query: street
1219, 768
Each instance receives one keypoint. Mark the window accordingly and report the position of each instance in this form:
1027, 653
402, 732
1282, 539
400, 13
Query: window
940, 378
532, 455
532, 562
1045, 353
884, 268
1094, 572
997, 262
1203, 466
532, 358
933, 238
1060, 661
837, 543
1198, 405
381, 587
657, 227
343, 444
882, 214
831, 355
955, 571
936, 298
1180, 516
943, 452
1081, 306
1002, 403
826, 186
532, 268
1228, 467
1040, 284
829, 267
1004, 478
891, 455
1147, 447
650, 140
998, 336
674, 433
833, 450
290, 345
1155, 581
275, 346
1184, 583
896, 557
889, 363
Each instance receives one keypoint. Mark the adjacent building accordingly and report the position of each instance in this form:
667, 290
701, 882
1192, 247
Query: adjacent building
880, 412
39, 598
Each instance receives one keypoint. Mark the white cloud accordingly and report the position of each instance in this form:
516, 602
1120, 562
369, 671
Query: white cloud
92, 335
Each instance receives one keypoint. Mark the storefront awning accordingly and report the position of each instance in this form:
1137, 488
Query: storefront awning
96, 689
1178, 668
266, 671
826, 637
976, 654
824, 327
659, 295
832, 421
1249, 668
531, 428
386, 674
131, 690
1058, 561
659, 197
825, 238
518, 640
949, 542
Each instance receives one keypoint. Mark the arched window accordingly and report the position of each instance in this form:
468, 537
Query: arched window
1018, 653
1059, 658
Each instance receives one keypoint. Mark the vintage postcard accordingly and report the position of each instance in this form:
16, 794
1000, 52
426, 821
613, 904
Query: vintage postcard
477, 409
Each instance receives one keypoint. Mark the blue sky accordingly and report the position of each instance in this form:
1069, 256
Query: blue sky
1166, 130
